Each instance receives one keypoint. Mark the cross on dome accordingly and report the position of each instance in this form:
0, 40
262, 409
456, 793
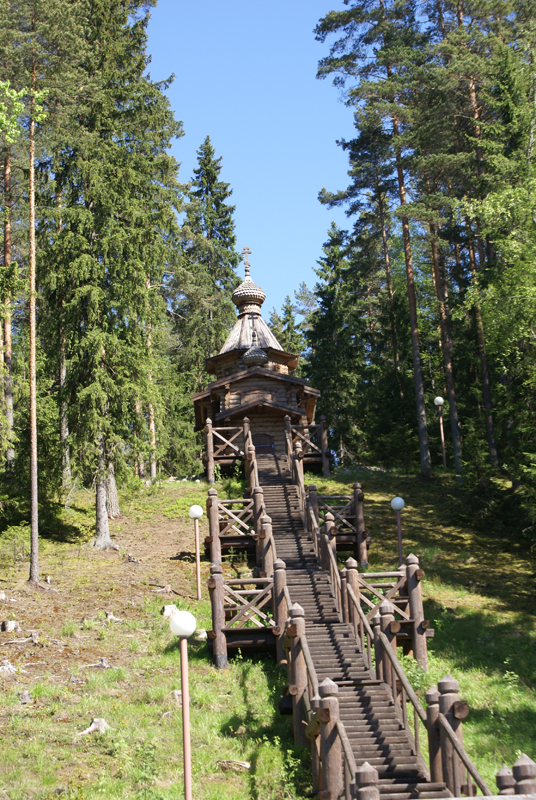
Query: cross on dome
246, 252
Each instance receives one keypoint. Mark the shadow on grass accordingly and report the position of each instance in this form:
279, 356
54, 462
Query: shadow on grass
295, 770
474, 640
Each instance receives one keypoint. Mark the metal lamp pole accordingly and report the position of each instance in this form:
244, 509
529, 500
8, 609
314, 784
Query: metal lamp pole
397, 504
438, 401
183, 624
196, 512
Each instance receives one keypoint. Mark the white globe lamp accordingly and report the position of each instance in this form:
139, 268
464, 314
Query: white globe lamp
182, 624
195, 512
397, 503
438, 401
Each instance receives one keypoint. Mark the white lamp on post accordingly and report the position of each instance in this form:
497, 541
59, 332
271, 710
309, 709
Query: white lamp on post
196, 512
397, 504
183, 624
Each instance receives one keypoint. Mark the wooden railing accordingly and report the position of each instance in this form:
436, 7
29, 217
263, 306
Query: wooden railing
312, 439
346, 514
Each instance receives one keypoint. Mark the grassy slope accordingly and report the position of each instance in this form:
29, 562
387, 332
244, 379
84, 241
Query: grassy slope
479, 596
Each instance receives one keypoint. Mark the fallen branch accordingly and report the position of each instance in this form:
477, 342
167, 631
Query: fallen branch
102, 663
234, 766
98, 725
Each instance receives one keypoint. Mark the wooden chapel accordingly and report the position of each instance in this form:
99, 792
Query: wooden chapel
255, 394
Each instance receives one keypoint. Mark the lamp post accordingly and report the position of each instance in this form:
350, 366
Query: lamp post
397, 504
196, 512
183, 624
438, 402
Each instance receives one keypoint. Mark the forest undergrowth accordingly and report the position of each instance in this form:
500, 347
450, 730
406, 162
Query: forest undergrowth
478, 591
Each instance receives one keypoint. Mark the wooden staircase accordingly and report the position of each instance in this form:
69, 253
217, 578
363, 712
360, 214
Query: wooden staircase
371, 719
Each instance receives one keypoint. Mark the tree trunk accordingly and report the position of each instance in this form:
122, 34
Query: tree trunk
64, 426
484, 369
424, 448
152, 440
447, 357
34, 513
103, 540
8, 381
112, 500
139, 463
387, 262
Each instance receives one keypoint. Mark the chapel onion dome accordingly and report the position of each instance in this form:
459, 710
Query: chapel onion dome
255, 356
248, 293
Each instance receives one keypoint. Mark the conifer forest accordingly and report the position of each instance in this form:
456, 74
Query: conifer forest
117, 271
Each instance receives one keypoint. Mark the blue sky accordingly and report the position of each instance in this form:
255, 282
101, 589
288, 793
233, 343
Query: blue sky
245, 75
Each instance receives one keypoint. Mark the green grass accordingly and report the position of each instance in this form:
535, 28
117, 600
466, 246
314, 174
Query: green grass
478, 591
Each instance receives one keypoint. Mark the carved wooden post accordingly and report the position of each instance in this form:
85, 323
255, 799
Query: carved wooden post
315, 749
330, 743
505, 781
258, 503
353, 582
329, 538
265, 537
288, 437
324, 446
299, 668
367, 779
209, 438
378, 647
525, 775
215, 587
344, 596
434, 745
250, 466
414, 576
361, 535
454, 710
246, 431
214, 526
313, 501
280, 605
387, 616
298, 460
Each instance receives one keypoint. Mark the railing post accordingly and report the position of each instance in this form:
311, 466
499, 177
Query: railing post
330, 743
353, 582
298, 460
454, 710
247, 429
296, 630
378, 647
505, 781
387, 616
313, 501
251, 456
265, 537
214, 526
524, 771
434, 745
258, 504
344, 595
414, 576
209, 438
323, 436
280, 605
315, 749
288, 437
330, 540
215, 587
361, 536
367, 778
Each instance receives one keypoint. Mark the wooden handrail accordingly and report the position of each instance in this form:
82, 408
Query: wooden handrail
309, 664
362, 617
346, 748
286, 594
335, 567
468, 764
401, 675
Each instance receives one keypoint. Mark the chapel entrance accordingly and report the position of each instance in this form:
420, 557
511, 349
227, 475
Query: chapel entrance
264, 443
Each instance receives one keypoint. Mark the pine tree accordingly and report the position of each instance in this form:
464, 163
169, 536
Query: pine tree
119, 197
200, 294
